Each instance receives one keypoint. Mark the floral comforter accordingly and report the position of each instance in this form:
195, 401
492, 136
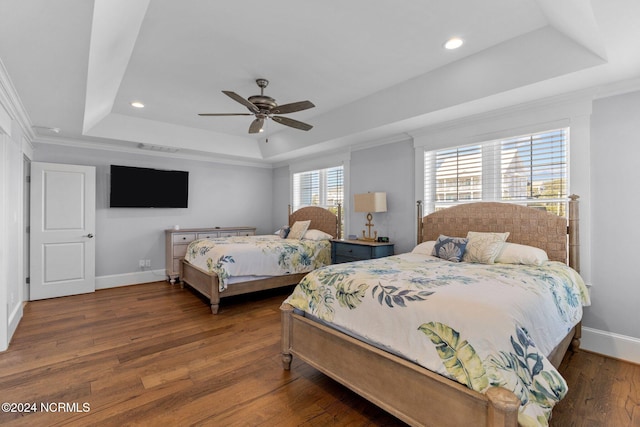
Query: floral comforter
481, 325
257, 256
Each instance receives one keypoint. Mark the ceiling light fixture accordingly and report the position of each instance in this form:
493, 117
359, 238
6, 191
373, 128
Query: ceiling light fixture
137, 104
453, 43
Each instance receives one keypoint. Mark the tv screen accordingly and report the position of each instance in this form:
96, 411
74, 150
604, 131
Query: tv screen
133, 187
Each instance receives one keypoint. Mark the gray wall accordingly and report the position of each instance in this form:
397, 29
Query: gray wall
281, 197
388, 168
615, 179
219, 195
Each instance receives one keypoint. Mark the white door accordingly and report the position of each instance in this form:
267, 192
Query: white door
63, 211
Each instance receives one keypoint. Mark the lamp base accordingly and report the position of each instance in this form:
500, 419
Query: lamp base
369, 238
369, 224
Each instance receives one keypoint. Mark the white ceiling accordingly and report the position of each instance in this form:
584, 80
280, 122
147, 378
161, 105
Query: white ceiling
373, 68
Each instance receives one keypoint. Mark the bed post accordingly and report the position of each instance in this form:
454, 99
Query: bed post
574, 235
339, 236
286, 311
419, 221
574, 256
503, 407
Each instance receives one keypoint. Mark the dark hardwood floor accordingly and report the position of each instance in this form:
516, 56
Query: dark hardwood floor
153, 354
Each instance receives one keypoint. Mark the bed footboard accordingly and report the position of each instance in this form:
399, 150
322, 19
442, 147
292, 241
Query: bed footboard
408, 391
203, 282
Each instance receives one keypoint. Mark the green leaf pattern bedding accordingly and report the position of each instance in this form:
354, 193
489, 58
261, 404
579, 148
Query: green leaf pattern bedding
481, 325
257, 256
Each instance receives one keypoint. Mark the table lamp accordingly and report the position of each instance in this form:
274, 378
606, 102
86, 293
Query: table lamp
370, 202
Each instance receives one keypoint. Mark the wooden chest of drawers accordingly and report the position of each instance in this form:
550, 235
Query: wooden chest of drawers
176, 242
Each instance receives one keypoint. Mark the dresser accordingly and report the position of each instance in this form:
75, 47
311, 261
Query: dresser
356, 250
176, 242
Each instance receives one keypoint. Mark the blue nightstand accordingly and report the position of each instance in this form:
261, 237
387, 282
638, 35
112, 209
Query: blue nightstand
357, 250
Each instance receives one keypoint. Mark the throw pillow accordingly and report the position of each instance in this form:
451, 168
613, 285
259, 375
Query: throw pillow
484, 247
298, 229
449, 248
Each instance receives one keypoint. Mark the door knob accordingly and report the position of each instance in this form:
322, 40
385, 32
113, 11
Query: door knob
89, 236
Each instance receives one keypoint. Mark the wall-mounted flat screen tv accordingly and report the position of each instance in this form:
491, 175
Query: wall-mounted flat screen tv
133, 187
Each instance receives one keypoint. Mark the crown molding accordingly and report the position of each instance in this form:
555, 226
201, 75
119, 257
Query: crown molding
618, 88
11, 101
104, 146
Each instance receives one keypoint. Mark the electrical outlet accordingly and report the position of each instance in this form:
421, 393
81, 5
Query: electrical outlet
141, 263
147, 263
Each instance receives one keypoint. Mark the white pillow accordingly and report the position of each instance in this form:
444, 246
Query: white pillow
316, 235
424, 248
298, 229
484, 247
514, 253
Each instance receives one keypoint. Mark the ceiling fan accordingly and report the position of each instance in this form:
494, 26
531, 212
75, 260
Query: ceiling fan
264, 107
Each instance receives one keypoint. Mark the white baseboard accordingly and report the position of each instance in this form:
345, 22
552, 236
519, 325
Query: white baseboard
14, 320
611, 344
126, 279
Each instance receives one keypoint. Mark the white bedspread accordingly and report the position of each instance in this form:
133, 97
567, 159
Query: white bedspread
267, 255
481, 325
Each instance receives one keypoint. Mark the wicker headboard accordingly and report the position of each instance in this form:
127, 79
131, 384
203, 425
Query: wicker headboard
527, 226
321, 219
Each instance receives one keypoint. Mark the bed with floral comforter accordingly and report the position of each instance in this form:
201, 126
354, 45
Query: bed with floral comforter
267, 255
482, 325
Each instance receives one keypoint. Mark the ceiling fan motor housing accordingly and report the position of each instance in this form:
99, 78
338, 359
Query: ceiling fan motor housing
263, 102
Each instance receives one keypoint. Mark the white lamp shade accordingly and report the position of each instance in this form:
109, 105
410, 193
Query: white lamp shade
370, 202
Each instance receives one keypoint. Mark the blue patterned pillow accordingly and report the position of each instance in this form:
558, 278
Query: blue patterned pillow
283, 232
450, 248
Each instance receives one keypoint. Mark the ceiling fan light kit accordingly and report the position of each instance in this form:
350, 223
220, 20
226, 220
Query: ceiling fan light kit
264, 107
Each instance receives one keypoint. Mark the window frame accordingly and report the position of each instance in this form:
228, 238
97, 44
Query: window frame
492, 172
323, 188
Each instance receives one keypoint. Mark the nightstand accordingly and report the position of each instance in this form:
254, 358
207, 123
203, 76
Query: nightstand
356, 250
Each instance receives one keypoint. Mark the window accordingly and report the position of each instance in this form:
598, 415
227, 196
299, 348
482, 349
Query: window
531, 169
322, 187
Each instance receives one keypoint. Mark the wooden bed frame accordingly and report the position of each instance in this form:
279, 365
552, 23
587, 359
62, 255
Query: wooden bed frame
410, 392
207, 284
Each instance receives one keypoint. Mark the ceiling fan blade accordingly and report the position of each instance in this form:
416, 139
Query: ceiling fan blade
225, 114
292, 123
292, 108
256, 126
250, 105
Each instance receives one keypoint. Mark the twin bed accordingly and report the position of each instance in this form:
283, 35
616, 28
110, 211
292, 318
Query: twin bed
484, 338
224, 267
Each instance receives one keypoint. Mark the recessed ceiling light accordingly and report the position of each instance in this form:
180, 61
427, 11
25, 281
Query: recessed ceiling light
453, 43
137, 104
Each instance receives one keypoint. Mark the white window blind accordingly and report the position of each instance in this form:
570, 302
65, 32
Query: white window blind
322, 187
531, 169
